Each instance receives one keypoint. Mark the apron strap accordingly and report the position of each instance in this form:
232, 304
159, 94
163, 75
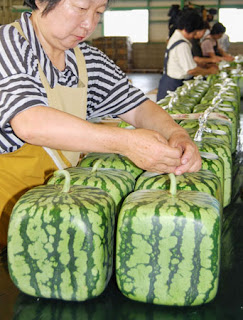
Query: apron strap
16, 25
83, 75
167, 51
67, 95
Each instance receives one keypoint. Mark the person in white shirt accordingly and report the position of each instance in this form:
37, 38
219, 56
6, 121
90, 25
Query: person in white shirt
179, 64
224, 42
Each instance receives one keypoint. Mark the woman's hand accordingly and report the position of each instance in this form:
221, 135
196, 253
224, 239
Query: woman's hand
228, 57
213, 69
215, 59
191, 159
150, 151
167, 147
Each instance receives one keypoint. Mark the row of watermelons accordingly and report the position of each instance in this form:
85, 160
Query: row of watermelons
167, 229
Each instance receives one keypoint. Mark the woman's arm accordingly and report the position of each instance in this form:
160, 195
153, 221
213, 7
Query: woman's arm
208, 50
225, 56
203, 71
148, 149
206, 60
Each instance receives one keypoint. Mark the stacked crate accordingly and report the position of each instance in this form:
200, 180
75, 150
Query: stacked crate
10, 10
148, 57
5, 12
119, 49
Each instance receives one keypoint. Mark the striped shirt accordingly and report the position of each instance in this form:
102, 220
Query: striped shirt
109, 90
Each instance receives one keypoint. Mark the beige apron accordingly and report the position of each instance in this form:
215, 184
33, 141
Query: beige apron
32, 165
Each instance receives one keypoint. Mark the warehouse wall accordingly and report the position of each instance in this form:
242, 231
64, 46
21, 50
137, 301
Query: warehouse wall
150, 56
141, 56
158, 12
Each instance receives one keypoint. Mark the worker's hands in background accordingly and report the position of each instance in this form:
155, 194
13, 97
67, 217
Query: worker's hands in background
228, 58
213, 69
215, 59
191, 159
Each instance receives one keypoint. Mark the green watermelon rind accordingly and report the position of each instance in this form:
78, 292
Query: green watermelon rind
202, 181
168, 248
118, 183
60, 245
212, 145
111, 160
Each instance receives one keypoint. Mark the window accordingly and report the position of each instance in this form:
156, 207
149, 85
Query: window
128, 23
232, 20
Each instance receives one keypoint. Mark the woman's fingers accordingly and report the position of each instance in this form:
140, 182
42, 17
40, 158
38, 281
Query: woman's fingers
152, 152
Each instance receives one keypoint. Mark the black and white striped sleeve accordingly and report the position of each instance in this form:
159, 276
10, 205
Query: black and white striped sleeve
20, 86
109, 89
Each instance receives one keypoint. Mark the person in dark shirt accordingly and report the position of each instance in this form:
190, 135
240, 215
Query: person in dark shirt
197, 50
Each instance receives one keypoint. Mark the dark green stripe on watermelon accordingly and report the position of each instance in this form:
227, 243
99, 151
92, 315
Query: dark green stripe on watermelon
223, 151
153, 261
111, 160
213, 163
168, 247
60, 245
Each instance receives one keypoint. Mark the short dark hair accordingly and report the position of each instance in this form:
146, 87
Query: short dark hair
51, 4
218, 28
190, 21
206, 25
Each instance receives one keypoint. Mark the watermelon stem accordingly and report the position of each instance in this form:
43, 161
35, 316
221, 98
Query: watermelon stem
173, 188
66, 175
96, 165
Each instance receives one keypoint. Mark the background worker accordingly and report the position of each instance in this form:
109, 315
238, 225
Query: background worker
210, 46
197, 50
179, 64
224, 42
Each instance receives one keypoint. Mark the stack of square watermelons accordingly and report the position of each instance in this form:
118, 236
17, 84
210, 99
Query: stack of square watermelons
167, 229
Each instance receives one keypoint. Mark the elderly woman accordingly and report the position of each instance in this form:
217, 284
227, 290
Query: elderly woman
52, 83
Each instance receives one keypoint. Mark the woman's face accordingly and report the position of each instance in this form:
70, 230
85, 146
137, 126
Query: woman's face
217, 36
69, 23
199, 34
189, 35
